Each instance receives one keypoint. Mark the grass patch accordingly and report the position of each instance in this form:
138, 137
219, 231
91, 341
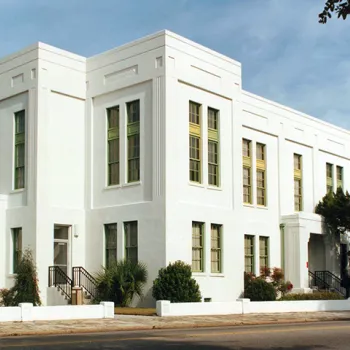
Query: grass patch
138, 311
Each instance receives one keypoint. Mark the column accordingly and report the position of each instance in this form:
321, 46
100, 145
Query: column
296, 256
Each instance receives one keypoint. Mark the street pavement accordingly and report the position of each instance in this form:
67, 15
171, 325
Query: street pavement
322, 335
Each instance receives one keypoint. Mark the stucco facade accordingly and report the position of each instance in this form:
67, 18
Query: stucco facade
65, 98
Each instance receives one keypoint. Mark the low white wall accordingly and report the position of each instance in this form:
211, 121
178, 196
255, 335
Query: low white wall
245, 306
26, 312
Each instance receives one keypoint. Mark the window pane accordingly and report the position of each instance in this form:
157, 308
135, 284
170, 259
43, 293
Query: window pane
246, 148
213, 118
133, 111
194, 116
260, 151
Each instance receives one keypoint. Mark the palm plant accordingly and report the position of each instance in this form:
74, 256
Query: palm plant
120, 282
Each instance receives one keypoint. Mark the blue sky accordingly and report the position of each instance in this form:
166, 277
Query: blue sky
286, 55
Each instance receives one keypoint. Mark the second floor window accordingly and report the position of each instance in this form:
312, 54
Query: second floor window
298, 190
19, 171
113, 145
260, 174
133, 132
195, 142
329, 174
213, 147
247, 171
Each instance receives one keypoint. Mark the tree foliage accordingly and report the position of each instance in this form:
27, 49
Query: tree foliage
335, 209
175, 283
340, 7
260, 290
121, 282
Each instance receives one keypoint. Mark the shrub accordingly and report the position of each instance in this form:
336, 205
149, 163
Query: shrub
313, 296
275, 276
26, 288
121, 282
175, 283
6, 297
260, 290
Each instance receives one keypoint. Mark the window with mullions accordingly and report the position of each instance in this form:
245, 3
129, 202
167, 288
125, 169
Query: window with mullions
111, 244
133, 114
216, 248
247, 172
264, 251
17, 248
249, 254
340, 176
195, 166
329, 174
131, 241
197, 247
19, 173
213, 147
113, 117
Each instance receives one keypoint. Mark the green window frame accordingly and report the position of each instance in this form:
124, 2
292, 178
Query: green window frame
133, 132
261, 174
247, 171
197, 246
298, 182
131, 241
329, 175
17, 248
249, 258
111, 235
340, 176
264, 251
20, 153
195, 149
213, 147
113, 144
216, 252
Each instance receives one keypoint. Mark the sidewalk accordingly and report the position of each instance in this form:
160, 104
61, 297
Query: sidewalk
129, 323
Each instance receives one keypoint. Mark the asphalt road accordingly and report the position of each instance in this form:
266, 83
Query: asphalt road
306, 336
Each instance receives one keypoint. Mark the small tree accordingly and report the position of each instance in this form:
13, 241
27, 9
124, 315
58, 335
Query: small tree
26, 289
335, 210
121, 282
175, 283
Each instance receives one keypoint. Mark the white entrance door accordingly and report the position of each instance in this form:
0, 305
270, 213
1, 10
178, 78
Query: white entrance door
61, 248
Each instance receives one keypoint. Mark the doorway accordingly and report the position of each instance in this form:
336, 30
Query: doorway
61, 248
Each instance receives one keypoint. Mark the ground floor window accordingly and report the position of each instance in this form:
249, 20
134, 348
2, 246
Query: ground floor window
131, 245
216, 248
17, 248
249, 254
197, 246
264, 251
111, 244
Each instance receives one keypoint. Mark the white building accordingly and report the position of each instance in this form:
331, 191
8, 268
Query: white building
143, 144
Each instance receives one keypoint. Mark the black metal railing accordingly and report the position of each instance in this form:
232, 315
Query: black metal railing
59, 279
82, 278
327, 280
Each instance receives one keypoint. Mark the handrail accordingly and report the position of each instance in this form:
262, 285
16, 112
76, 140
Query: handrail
331, 281
82, 278
58, 278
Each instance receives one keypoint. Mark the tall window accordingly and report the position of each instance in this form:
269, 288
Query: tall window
298, 189
249, 254
19, 181
260, 174
216, 248
339, 176
264, 251
113, 145
195, 142
213, 147
17, 248
329, 172
130, 229
197, 246
111, 244
247, 171
133, 113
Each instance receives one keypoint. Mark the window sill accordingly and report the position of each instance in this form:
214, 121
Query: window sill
262, 207
196, 184
248, 205
199, 274
130, 184
217, 275
12, 275
18, 191
116, 187
214, 188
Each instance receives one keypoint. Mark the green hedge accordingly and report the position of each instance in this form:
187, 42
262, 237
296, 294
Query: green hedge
312, 296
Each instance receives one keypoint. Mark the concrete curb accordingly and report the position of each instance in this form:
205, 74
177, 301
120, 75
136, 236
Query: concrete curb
165, 327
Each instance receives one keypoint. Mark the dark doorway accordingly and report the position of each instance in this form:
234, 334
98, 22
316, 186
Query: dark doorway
343, 260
